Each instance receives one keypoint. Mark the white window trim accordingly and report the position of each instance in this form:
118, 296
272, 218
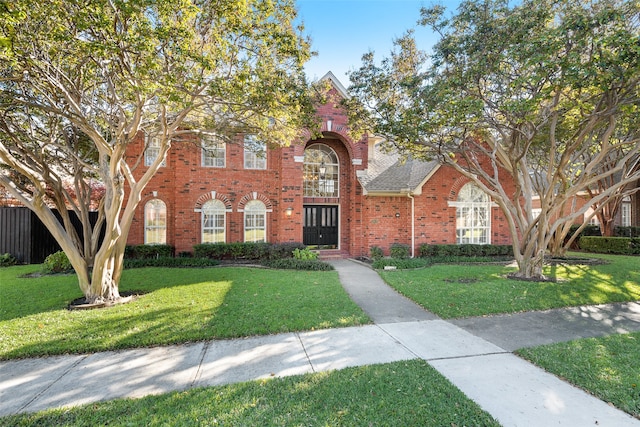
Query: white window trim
221, 211
218, 147
253, 213
488, 205
255, 160
152, 150
155, 228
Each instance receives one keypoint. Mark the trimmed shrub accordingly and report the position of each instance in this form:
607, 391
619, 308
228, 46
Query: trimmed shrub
170, 262
464, 250
7, 260
376, 253
611, 245
399, 251
626, 231
247, 251
298, 264
148, 251
57, 263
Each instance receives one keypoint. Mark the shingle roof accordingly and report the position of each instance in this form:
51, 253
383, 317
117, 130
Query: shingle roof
388, 173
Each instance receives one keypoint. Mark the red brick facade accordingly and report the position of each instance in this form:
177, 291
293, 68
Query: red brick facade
184, 185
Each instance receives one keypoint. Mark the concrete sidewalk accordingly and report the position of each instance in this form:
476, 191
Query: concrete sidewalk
515, 392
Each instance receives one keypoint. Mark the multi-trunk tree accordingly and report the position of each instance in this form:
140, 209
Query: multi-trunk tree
525, 100
80, 80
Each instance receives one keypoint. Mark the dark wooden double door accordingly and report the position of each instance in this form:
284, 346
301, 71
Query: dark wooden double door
321, 226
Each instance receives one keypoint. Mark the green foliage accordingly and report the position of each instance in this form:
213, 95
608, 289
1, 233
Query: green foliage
305, 254
611, 245
399, 251
627, 231
549, 86
57, 262
7, 260
170, 262
476, 251
376, 253
148, 251
299, 264
246, 251
76, 74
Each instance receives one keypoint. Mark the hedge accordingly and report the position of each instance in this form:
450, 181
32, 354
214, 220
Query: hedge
170, 262
248, 251
148, 251
611, 245
465, 250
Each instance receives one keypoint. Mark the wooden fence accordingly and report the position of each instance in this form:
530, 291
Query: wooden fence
24, 236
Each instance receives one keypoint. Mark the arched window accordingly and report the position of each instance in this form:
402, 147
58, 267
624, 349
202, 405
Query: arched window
213, 222
321, 171
473, 216
255, 221
155, 222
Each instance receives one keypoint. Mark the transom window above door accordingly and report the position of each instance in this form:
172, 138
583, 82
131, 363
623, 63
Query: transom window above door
321, 171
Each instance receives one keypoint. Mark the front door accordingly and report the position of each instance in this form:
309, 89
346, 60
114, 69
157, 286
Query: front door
321, 226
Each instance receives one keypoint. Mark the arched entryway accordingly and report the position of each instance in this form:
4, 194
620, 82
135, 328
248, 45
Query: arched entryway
321, 188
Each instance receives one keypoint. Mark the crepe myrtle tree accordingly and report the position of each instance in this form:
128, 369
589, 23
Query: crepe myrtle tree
80, 80
525, 100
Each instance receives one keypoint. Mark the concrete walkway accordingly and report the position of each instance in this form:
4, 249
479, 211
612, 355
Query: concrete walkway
474, 354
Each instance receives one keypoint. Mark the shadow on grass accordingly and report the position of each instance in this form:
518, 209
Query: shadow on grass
185, 305
402, 393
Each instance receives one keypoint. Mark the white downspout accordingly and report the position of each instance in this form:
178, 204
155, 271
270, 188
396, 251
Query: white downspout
413, 226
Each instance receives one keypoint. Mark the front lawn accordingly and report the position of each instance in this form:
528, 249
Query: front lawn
454, 291
176, 305
606, 367
409, 393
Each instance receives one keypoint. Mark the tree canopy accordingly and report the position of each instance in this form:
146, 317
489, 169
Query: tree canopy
526, 100
80, 80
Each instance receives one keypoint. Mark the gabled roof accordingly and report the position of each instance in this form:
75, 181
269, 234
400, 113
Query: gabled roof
389, 174
336, 84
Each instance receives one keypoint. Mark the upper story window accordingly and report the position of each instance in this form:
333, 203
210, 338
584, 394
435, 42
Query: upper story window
213, 222
473, 216
255, 221
213, 152
155, 222
152, 150
321, 171
255, 153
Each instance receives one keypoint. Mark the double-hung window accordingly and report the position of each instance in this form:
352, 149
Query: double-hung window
155, 222
255, 222
213, 222
255, 153
152, 150
213, 152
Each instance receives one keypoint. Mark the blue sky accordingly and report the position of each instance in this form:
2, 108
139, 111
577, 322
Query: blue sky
342, 31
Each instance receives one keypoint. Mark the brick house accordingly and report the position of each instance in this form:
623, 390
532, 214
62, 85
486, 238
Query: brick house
331, 193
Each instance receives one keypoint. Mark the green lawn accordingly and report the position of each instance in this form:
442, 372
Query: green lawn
453, 291
407, 393
606, 367
176, 305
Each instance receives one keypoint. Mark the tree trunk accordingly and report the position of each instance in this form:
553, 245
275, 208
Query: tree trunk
105, 277
530, 267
